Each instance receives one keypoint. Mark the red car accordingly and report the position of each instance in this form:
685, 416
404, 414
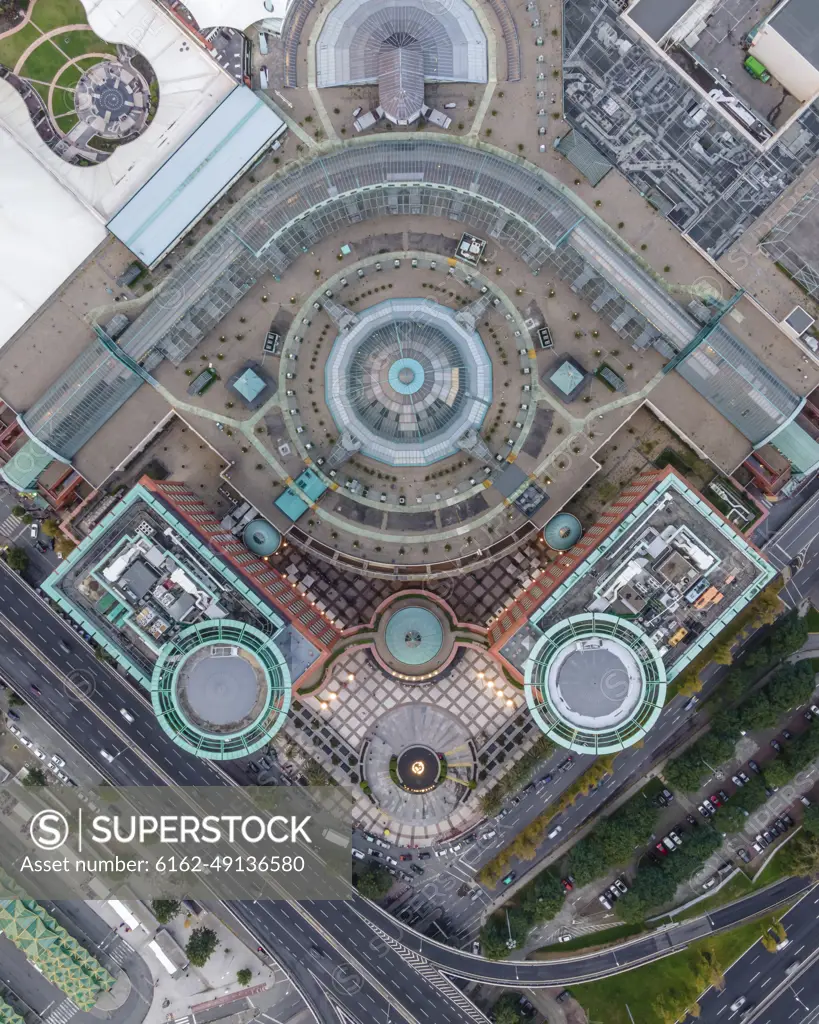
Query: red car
715, 800
660, 848
567, 883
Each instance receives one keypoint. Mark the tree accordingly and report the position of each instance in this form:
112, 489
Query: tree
165, 910
779, 772
244, 975
768, 941
766, 607
374, 883
50, 527
201, 945
17, 559
18, 511
730, 818
507, 1009
711, 967
15, 700
810, 820
64, 546
721, 652
494, 937
35, 777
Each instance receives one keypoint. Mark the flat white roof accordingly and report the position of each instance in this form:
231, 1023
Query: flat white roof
236, 13
191, 85
45, 234
194, 177
119, 908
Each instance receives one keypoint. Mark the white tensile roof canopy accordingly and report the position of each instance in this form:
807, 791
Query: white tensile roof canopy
239, 14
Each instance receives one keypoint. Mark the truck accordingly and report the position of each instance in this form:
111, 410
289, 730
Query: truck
335, 837
756, 69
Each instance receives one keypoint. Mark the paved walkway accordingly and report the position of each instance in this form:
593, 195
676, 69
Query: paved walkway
47, 37
22, 23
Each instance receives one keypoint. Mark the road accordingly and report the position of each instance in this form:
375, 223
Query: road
757, 974
383, 953
799, 536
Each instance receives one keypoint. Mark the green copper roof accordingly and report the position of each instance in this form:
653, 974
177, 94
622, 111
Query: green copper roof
414, 635
562, 531
261, 537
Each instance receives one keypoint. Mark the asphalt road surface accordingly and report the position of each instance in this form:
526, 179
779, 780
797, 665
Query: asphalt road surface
758, 974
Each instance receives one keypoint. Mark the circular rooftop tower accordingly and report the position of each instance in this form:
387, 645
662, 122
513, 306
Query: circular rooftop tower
414, 641
221, 689
595, 683
408, 380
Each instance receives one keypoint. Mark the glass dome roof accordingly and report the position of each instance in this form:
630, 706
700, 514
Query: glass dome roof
562, 531
414, 635
261, 537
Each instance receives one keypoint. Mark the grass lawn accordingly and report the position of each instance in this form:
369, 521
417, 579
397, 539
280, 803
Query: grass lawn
49, 14
617, 933
69, 78
42, 89
88, 62
43, 63
67, 122
12, 46
75, 44
63, 102
672, 979
812, 620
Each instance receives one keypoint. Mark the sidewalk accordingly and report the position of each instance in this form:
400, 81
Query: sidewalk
194, 989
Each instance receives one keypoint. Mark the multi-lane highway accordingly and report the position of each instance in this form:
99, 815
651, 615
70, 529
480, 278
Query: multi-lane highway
356, 955
760, 976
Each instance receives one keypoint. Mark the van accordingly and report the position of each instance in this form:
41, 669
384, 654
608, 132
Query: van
126, 714
108, 757
792, 968
555, 832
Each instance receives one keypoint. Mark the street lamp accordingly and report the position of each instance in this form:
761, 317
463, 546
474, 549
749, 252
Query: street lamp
510, 942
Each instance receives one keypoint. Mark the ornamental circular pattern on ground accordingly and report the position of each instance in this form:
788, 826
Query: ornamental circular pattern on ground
113, 99
595, 683
401, 738
221, 689
407, 380
418, 768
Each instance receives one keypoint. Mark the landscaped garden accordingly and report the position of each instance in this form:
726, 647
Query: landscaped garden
51, 49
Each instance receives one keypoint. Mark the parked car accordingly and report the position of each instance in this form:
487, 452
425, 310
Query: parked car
405, 856
660, 848
723, 796
621, 885
424, 855
754, 767
391, 860
788, 820
508, 879
603, 899
14, 730
776, 745
743, 776
545, 780
743, 855
691, 819
787, 734
808, 716
715, 800
13, 714
359, 854
763, 842
775, 829
737, 781
486, 836
675, 839
669, 844
668, 795
704, 811
567, 883
382, 844
768, 836
417, 869
564, 995
757, 847
804, 800
709, 883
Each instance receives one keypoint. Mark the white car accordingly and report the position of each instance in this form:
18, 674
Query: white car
555, 832
57, 760
26, 741
14, 730
605, 902
358, 854
38, 754
62, 777
392, 861
738, 1004
485, 836
382, 844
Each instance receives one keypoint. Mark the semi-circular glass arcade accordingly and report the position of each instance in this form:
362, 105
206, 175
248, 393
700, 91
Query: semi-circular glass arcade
595, 683
221, 689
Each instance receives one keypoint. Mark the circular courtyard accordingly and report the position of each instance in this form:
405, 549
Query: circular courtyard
418, 768
221, 689
595, 683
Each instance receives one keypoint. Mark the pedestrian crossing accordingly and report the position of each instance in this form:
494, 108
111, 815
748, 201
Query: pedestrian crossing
119, 953
10, 526
61, 1013
188, 1019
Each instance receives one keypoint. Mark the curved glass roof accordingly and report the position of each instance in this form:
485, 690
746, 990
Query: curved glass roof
523, 209
407, 380
414, 635
562, 531
595, 683
447, 37
221, 635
